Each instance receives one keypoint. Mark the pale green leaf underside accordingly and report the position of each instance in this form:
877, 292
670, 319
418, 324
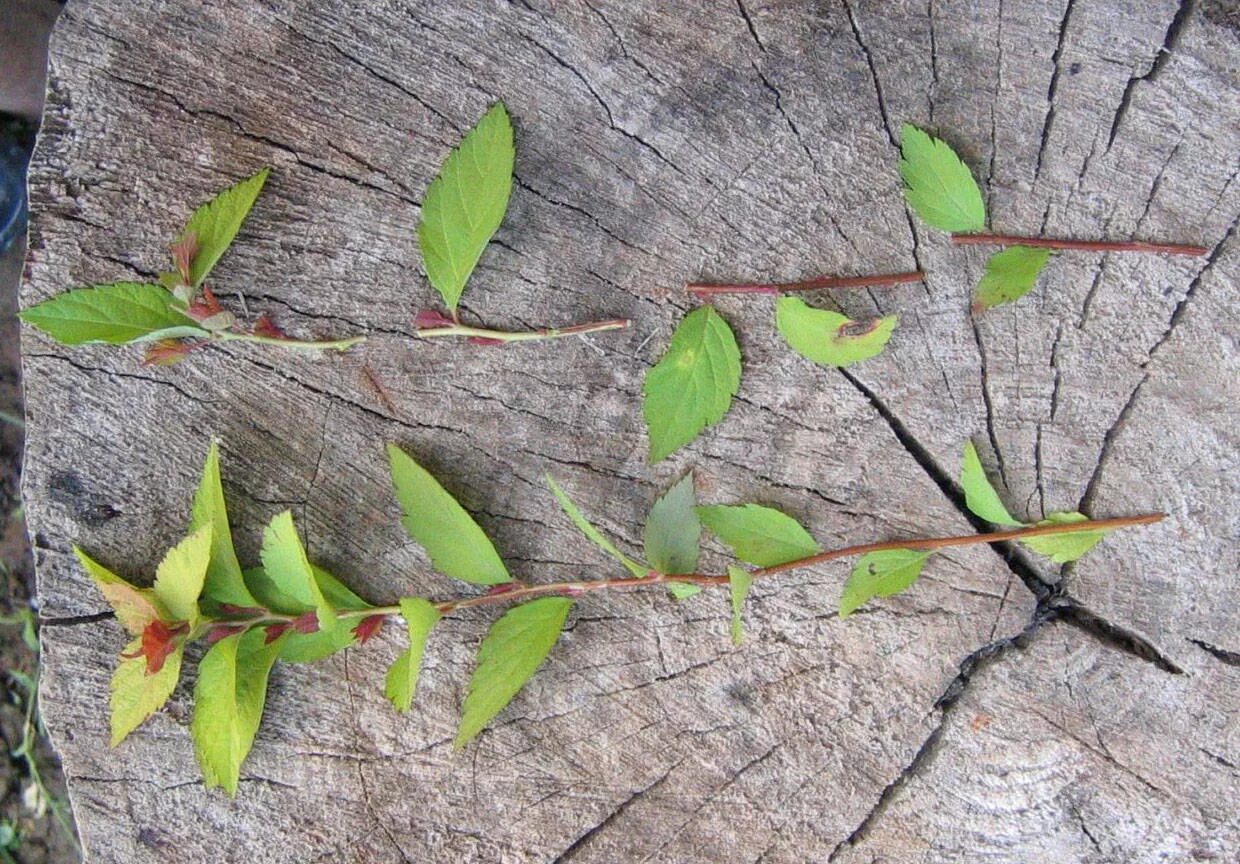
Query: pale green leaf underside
286, 565
979, 495
683, 590
829, 338
881, 574
1062, 548
513, 648
465, 204
758, 535
179, 579
136, 695
224, 583
456, 545
228, 704
672, 535
591, 533
134, 607
216, 223
1010, 273
938, 186
402, 678
739, 581
692, 386
115, 314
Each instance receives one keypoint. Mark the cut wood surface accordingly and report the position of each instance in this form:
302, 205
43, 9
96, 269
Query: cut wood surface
1002, 709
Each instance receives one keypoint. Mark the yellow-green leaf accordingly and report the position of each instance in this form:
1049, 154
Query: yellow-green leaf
1010, 273
1062, 548
938, 185
216, 223
829, 338
683, 590
758, 535
179, 579
465, 204
224, 582
402, 678
513, 648
134, 607
692, 386
979, 495
591, 533
116, 314
881, 574
286, 564
739, 581
135, 695
456, 545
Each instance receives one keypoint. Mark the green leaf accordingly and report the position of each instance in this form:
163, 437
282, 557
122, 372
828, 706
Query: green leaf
979, 495
881, 574
228, 704
307, 647
402, 678
673, 534
134, 607
116, 314
216, 223
224, 583
513, 648
1062, 548
739, 581
591, 533
286, 565
179, 579
456, 545
692, 385
465, 204
829, 338
1010, 273
938, 185
758, 535
136, 695
683, 590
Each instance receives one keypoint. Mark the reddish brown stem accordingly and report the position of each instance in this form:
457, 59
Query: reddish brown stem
1080, 245
706, 289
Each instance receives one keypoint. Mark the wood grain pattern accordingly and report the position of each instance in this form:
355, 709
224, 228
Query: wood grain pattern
658, 144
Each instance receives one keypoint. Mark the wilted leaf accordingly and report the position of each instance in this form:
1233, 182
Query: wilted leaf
673, 534
829, 338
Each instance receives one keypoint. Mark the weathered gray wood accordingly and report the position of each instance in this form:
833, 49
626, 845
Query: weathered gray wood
658, 144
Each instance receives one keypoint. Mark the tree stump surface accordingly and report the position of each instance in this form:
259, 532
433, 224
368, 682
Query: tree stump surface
659, 143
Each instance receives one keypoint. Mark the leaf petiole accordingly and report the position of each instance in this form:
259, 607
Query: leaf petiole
498, 336
1078, 245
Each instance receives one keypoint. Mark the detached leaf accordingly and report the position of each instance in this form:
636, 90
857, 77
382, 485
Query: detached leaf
116, 314
692, 386
881, 574
739, 581
591, 533
134, 607
1010, 273
465, 204
758, 535
513, 648
1062, 548
216, 223
673, 534
285, 563
135, 694
224, 583
402, 678
456, 545
179, 579
829, 338
683, 590
228, 705
938, 186
979, 495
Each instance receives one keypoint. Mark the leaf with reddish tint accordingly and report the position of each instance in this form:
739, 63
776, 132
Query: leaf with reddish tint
429, 319
484, 340
307, 623
829, 338
138, 692
368, 627
264, 326
223, 631
168, 352
183, 252
216, 223
275, 631
157, 641
134, 607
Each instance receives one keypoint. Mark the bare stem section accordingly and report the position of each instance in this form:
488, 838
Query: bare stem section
707, 289
1078, 245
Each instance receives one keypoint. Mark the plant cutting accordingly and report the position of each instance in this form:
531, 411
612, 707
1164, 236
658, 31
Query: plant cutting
179, 314
286, 608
